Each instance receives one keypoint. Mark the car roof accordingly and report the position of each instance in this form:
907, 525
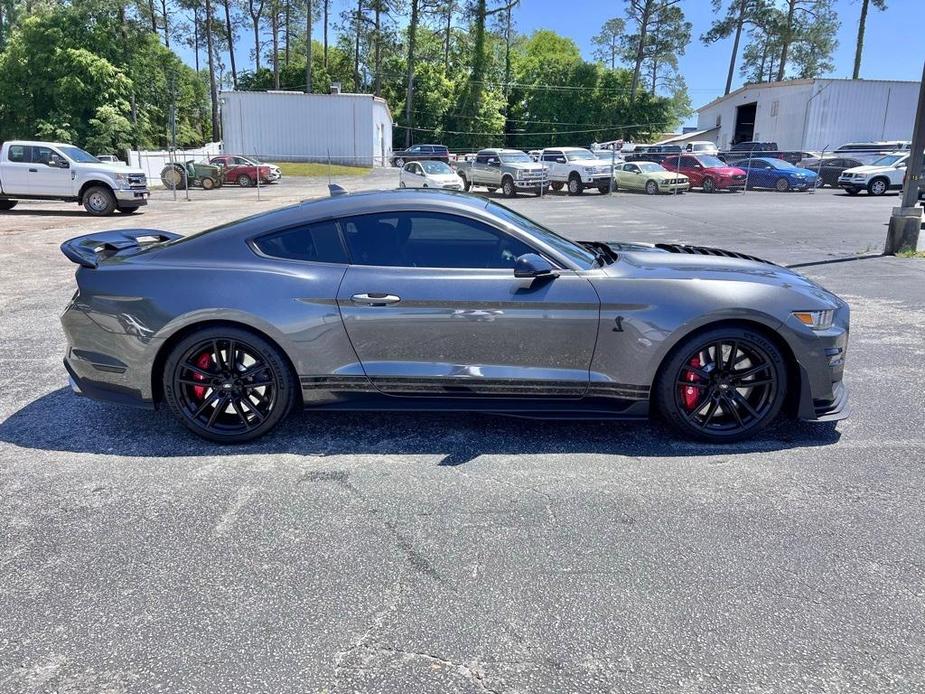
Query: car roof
39, 143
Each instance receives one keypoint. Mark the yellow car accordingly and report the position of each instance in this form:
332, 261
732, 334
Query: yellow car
650, 177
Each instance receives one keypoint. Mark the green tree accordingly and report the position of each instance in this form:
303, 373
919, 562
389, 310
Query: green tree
607, 42
738, 15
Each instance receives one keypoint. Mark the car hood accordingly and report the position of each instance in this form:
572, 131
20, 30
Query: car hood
110, 169
525, 166
443, 178
658, 175
683, 261
725, 170
868, 169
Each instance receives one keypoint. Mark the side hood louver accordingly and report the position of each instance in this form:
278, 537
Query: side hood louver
706, 250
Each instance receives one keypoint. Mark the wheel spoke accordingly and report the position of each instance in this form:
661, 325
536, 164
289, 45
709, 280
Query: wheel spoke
697, 372
739, 398
230, 359
217, 355
733, 348
711, 411
201, 372
194, 382
749, 384
693, 384
220, 406
205, 403
739, 375
236, 404
731, 406
254, 369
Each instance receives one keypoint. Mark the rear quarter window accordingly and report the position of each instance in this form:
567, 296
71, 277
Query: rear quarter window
318, 243
17, 153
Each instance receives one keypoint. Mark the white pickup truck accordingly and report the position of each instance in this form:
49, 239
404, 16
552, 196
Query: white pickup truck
54, 171
577, 168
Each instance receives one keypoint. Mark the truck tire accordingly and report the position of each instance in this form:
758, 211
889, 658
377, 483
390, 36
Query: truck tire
173, 177
466, 183
99, 201
508, 187
603, 190
245, 181
128, 209
207, 183
556, 185
575, 186
7, 204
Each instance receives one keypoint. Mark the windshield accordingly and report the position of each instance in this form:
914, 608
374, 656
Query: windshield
711, 161
649, 166
516, 158
581, 256
781, 164
436, 167
889, 160
579, 155
78, 155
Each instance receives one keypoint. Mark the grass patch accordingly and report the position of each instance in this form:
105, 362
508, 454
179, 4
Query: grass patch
308, 168
911, 254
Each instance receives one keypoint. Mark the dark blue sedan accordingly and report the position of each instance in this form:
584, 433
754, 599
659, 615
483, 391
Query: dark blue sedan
766, 172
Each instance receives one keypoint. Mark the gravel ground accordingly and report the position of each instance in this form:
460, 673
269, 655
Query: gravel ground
413, 553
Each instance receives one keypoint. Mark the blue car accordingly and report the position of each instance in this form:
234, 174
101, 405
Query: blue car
766, 172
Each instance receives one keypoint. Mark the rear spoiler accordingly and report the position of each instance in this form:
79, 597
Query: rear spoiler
89, 250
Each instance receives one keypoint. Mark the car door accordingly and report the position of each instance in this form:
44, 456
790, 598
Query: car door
630, 177
410, 175
43, 177
480, 171
759, 173
431, 305
556, 168
17, 177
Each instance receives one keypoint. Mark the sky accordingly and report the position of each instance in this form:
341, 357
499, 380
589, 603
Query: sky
893, 48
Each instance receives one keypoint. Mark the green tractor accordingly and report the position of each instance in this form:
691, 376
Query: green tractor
179, 175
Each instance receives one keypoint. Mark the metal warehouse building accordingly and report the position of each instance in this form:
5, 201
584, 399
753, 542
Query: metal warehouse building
293, 126
811, 114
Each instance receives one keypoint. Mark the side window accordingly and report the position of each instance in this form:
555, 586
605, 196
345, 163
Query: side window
415, 149
42, 155
481, 158
550, 156
688, 162
425, 239
318, 243
409, 167
18, 153
240, 161
632, 168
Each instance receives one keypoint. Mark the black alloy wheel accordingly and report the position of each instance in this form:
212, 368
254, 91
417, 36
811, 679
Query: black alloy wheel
228, 385
723, 385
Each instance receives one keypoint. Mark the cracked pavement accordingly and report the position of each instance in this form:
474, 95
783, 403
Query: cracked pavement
463, 553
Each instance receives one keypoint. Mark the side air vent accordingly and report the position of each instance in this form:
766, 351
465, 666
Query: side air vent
706, 250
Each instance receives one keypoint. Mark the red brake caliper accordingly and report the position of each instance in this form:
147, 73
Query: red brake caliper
690, 396
204, 361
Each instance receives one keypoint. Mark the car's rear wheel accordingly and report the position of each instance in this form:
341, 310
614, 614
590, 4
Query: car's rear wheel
651, 187
782, 185
878, 186
507, 187
556, 186
725, 384
709, 185
245, 181
228, 385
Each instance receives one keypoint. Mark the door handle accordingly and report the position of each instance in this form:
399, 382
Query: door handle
375, 299
33, 170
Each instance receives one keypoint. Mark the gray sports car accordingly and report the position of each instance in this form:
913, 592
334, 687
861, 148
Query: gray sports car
437, 301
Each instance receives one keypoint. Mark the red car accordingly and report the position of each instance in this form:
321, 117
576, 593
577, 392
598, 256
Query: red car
707, 172
244, 172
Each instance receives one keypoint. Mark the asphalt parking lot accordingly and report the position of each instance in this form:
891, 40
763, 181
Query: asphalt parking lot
409, 553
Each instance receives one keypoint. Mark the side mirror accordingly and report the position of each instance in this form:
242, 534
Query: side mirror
533, 265
57, 162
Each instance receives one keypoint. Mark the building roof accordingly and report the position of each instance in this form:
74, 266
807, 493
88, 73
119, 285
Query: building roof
683, 137
794, 83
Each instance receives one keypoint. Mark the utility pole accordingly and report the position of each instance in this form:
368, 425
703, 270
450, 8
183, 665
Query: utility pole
906, 221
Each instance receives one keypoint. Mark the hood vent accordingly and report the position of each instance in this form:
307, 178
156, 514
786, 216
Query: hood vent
706, 250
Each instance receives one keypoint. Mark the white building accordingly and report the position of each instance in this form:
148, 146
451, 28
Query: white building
351, 129
811, 114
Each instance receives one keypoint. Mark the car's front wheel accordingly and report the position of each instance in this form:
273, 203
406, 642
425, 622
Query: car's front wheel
575, 186
228, 385
709, 186
507, 187
651, 187
782, 185
725, 384
878, 186
99, 201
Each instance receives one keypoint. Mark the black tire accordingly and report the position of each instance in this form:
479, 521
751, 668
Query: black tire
575, 186
400, 163
207, 183
781, 185
557, 186
245, 181
7, 204
852, 191
508, 188
221, 358
603, 190
878, 187
700, 397
491, 190
651, 188
128, 209
466, 183
709, 185
99, 201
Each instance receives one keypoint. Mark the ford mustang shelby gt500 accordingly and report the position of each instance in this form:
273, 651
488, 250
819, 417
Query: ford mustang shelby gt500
437, 301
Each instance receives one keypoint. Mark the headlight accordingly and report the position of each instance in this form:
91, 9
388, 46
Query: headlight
817, 320
520, 174
121, 179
